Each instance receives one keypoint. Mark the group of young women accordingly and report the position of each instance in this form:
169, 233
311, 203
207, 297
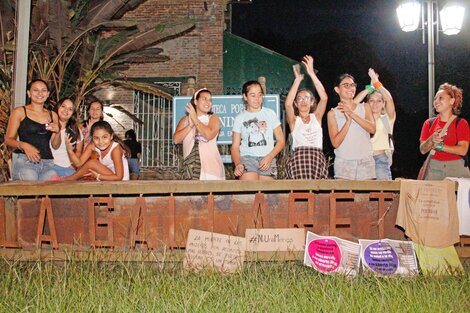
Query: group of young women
53, 145
361, 133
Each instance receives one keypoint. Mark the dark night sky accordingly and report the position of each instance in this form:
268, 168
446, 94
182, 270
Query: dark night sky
281, 24
375, 22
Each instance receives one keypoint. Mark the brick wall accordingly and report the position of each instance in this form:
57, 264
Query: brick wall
198, 53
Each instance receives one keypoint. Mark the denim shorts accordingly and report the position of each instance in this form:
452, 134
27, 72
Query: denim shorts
24, 169
251, 164
382, 169
63, 171
134, 167
355, 169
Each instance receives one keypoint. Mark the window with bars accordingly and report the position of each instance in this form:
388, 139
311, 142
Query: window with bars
158, 149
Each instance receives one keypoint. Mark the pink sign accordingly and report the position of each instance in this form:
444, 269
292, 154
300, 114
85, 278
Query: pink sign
325, 254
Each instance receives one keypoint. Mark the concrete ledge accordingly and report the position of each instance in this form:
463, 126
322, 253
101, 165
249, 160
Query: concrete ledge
182, 187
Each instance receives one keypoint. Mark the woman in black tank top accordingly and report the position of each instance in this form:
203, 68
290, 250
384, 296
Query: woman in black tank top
30, 128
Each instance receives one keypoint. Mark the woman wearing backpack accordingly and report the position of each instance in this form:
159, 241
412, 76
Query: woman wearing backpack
446, 136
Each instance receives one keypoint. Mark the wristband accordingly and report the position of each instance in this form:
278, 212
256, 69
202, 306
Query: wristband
98, 177
440, 146
377, 85
370, 89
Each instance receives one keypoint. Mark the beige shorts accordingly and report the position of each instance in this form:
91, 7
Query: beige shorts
438, 170
355, 169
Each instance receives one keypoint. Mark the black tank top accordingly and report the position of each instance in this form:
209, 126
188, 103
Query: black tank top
37, 135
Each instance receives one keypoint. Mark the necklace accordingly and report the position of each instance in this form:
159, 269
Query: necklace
305, 119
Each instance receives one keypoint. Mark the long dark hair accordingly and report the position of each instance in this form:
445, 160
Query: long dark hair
90, 101
72, 124
47, 105
131, 135
197, 95
250, 83
343, 76
107, 127
30, 84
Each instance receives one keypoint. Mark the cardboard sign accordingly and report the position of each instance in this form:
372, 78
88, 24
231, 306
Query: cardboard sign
275, 239
328, 254
388, 257
219, 252
226, 108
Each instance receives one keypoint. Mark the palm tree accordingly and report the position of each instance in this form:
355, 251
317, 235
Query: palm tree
82, 46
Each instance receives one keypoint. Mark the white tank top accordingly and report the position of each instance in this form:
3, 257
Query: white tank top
61, 157
356, 144
307, 135
108, 161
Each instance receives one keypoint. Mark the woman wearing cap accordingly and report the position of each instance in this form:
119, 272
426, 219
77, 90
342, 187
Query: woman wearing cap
198, 133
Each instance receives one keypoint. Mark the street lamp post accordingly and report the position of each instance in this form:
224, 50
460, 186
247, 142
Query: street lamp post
450, 19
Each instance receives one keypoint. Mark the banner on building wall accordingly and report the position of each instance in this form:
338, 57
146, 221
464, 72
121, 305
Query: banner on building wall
388, 257
226, 107
330, 255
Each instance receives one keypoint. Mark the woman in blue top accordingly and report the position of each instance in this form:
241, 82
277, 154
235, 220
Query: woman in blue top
253, 149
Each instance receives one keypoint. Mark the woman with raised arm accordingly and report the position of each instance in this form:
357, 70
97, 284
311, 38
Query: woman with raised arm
198, 133
304, 117
448, 147
383, 109
350, 125
29, 131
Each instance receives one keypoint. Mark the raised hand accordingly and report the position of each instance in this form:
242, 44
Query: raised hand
53, 127
374, 77
69, 144
297, 74
307, 61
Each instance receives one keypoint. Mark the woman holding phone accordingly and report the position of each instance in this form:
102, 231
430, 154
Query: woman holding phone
69, 130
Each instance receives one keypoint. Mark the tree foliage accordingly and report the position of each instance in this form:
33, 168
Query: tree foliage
81, 46
84, 45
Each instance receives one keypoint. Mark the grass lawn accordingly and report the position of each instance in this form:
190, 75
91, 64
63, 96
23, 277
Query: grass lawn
73, 286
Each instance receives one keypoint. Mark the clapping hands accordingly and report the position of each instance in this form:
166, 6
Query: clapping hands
345, 108
307, 61
297, 74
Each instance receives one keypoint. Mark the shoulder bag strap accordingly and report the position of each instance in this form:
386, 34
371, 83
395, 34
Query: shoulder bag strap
444, 129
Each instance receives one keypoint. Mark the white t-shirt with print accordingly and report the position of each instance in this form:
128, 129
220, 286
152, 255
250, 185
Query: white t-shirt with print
257, 131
